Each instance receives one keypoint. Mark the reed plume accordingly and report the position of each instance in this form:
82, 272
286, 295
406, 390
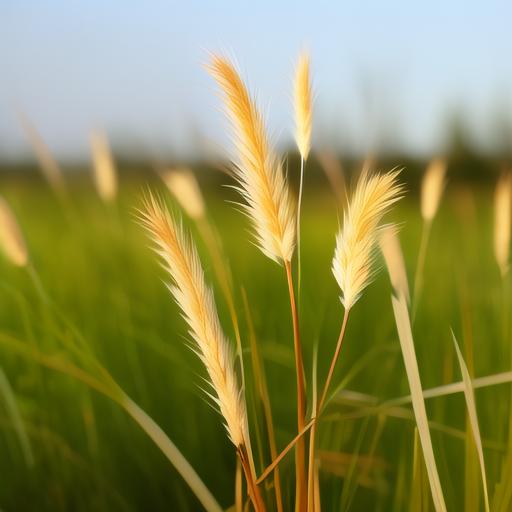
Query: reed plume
303, 106
11, 238
502, 222
105, 176
181, 261
353, 262
183, 185
432, 188
258, 171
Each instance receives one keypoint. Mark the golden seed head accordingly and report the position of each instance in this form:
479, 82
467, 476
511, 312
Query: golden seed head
259, 172
432, 188
303, 106
184, 187
353, 262
11, 238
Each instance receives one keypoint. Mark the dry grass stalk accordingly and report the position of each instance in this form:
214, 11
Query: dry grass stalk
105, 175
394, 258
303, 106
303, 121
502, 222
49, 166
268, 204
259, 172
353, 262
11, 238
183, 185
432, 188
195, 298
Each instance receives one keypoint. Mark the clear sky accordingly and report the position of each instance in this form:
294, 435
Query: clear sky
382, 69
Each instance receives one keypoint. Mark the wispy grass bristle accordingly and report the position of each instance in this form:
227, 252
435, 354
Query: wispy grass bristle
259, 172
353, 262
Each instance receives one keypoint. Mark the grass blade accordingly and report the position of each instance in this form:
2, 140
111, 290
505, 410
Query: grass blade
169, 449
473, 418
109, 388
16, 419
411, 366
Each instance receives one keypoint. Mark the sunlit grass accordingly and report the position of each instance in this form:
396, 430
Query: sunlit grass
107, 304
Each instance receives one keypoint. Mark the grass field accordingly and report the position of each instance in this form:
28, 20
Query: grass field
95, 294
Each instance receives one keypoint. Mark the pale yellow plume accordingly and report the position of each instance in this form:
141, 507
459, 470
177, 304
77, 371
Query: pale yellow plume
303, 106
257, 169
195, 298
353, 262
432, 188
11, 237
183, 185
394, 258
502, 222
105, 176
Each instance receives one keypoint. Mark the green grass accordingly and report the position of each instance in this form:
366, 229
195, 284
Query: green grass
105, 286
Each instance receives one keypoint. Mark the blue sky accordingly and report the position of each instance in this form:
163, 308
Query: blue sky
390, 69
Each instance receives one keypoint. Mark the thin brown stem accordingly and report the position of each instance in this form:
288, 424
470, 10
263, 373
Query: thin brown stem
334, 360
300, 468
299, 205
261, 385
271, 467
320, 404
252, 487
238, 486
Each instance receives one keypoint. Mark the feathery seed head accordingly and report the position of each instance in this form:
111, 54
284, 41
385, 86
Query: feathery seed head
105, 176
432, 188
184, 187
181, 261
303, 106
353, 262
11, 237
258, 171
502, 222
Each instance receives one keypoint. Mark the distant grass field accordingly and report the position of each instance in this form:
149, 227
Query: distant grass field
63, 446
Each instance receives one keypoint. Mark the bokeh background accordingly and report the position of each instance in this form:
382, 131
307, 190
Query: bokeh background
396, 83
